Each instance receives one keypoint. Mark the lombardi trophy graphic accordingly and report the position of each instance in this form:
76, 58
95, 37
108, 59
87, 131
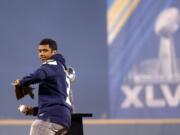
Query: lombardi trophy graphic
165, 67
166, 25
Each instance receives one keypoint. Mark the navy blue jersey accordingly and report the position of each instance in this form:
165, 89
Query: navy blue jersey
54, 105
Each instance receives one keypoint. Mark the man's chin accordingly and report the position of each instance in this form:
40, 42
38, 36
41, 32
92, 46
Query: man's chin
42, 60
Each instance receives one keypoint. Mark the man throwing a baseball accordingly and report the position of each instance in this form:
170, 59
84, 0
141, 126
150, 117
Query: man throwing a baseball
54, 106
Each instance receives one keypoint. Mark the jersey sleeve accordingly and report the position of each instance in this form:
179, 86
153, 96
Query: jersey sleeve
33, 78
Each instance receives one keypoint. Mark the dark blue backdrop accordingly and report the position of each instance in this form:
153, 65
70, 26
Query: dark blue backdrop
79, 28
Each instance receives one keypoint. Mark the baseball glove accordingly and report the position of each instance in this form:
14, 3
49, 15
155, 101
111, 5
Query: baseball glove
22, 91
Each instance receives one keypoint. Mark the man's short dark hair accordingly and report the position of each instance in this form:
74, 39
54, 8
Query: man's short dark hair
47, 41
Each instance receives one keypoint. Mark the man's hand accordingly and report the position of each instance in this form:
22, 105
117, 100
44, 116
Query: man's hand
27, 110
16, 82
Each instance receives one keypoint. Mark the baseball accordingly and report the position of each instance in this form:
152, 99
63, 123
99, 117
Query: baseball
22, 108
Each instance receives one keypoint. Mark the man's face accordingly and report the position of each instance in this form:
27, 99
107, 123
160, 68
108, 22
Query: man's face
45, 52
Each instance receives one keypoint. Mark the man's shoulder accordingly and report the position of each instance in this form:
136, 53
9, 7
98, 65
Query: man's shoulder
50, 62
52, 65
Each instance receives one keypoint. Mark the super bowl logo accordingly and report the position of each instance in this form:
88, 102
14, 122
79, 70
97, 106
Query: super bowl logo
157, 79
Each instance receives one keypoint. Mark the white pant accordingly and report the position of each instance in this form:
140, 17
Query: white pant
40, 127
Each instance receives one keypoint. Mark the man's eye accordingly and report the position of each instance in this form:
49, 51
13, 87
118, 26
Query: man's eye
45, 50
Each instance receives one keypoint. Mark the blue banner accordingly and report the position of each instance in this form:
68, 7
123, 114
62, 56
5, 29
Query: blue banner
144, 59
